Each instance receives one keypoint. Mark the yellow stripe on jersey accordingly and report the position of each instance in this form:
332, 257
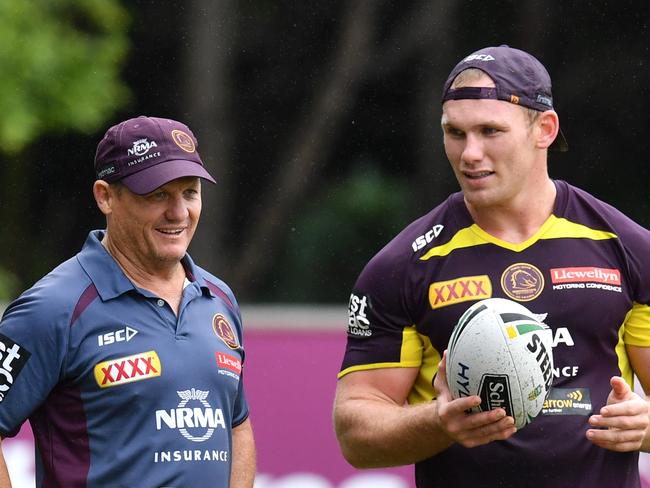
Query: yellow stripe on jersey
410, 354
412, 347
423, 390
635, 331
540, 234
466, 237
637, 326
553, 228
564, 228
623, 361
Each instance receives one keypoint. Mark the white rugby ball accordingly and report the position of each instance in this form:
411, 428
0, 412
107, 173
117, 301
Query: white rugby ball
502, 352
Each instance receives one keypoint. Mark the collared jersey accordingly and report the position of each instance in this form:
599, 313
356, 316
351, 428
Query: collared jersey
119, 390
587, 268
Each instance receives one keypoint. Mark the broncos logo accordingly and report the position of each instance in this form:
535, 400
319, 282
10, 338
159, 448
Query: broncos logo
522, 282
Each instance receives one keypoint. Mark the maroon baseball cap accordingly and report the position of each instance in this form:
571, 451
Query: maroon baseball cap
518, 78
145, 153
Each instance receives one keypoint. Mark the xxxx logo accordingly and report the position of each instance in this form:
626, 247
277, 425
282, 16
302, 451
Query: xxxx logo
125, 370
463, 289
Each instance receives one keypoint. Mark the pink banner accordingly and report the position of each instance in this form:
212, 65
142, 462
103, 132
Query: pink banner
291, 378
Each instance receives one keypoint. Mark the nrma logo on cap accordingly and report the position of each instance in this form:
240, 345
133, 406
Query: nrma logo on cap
478, 57
141, 147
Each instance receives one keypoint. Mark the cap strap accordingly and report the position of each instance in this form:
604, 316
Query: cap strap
476, 93
471, 92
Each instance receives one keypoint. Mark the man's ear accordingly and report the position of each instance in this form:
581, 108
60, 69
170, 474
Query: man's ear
104, 196
548, 125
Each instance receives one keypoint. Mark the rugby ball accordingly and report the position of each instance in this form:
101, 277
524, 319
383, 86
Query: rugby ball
502, 352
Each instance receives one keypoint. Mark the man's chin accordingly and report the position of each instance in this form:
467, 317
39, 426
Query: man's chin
482, 198
170, 256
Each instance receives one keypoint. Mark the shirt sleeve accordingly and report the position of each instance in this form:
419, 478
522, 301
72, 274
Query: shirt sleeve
381, 333
637, 326
32, 352
636, 244
240, 406
240, 410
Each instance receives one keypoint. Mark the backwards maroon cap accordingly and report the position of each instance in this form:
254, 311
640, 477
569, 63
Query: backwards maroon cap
145, 153
518, 78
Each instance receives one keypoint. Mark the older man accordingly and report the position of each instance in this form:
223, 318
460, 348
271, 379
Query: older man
127, 358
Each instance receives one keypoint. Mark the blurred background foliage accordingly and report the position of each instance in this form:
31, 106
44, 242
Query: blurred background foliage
320, 120
339, 230
61, 64
8, 285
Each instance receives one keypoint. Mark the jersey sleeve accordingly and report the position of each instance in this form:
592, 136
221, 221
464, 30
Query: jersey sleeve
32, 352
635, 241
637, 322
637, 326
381, 333
240, 410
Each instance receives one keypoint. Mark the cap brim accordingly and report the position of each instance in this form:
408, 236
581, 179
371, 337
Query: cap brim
153, 177
560, 144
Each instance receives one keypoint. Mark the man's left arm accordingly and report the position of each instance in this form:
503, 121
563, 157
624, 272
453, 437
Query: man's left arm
242, 471
623, 424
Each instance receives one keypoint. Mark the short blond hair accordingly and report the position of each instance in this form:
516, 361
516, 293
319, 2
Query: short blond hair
470, 75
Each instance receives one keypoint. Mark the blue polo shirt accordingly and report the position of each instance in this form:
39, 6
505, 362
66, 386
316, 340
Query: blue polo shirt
120, 391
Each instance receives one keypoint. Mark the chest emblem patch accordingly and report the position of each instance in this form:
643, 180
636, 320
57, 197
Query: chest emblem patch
224, 331
522, 282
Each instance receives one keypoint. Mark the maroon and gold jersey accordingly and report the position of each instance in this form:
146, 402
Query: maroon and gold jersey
587, 269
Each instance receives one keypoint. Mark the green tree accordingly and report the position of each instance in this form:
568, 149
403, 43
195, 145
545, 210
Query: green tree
60, 63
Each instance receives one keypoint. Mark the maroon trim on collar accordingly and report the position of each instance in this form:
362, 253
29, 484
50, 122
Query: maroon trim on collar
89, 294
221, 294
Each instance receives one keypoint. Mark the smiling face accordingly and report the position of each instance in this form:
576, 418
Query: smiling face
493, 150
154, 230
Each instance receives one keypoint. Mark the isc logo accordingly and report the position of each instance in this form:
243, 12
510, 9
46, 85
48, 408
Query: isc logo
12, 359
125, 370
427, 237
125, 334
478, 57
